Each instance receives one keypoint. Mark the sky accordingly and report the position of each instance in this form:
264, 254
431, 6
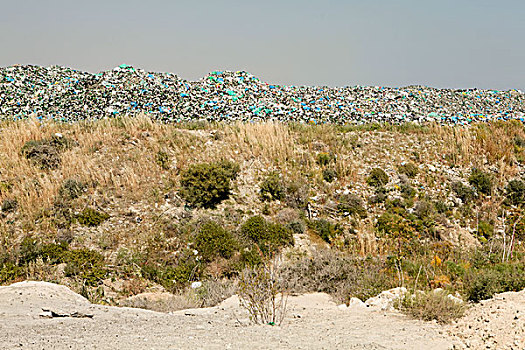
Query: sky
440, 43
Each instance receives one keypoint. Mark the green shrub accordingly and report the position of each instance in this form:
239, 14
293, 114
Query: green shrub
351, 205
380, 196
409, 169
485, 229
85, 264
481, 181
71, 189
463, 192
329, 175
327, 230
214, 241
407, 191
91, 217
272, 188
10, 272
377, 178
432, 305
267, 235
483, 283
163, 160
515, 192
46, 152
296, 227
297, 195
208, 184
323, 158
9, 205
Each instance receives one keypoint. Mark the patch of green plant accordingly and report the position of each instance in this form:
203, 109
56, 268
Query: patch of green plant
481, 180
463, 192
329, 175
85, 264
208, 184
46, 152
431, 305
515, 192
327, 230
324, 158
71, 189
482, 284
10, 272
296, 227
297, 195
9, 205
92, 217
409, 169
269, 236
485, 229
214, 241
163, 160
380, 196
272, 188
377, 177
407, 191
351, 205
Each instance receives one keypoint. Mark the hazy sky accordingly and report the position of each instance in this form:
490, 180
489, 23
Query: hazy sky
441, 43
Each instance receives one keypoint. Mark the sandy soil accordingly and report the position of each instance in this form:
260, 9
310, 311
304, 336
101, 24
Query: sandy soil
314, 322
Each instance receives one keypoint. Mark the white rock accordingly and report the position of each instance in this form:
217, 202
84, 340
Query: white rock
385, 300
196, 285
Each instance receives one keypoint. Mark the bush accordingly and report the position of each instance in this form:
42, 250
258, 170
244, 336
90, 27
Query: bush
71, 189
327, 230
214, 241
46, 152
267, 235
91, 217
297, 195
481, 181
407, 191
323, 158
9, 205
483, 283
515, 192
409, 169
352, 205
463, 192
208, 184
381, 195
163, 160
377, 178
485, 229
341, 275
432, 305
86, 264
297, 227
272, 188
329, 175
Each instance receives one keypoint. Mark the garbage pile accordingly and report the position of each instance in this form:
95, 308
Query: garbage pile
65, 94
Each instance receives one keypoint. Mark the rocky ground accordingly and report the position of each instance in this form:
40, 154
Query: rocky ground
313, 322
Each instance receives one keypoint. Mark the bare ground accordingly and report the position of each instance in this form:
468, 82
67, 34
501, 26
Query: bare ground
314, 322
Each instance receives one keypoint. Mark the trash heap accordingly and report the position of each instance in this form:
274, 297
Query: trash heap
66, 94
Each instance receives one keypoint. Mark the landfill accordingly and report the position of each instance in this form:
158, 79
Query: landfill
64, 94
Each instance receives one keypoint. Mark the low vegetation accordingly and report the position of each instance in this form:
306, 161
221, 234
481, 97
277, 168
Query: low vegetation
116, 207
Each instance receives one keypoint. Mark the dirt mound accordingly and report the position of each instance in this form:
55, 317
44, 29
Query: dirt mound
497, 323
313, 322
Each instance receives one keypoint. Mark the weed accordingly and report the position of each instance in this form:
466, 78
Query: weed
272, 188
515, 192
329, 175
377, 178
71, 189
208, 184
163, 160
409, 169
214, 241
482, 181
91, 217
431, 305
